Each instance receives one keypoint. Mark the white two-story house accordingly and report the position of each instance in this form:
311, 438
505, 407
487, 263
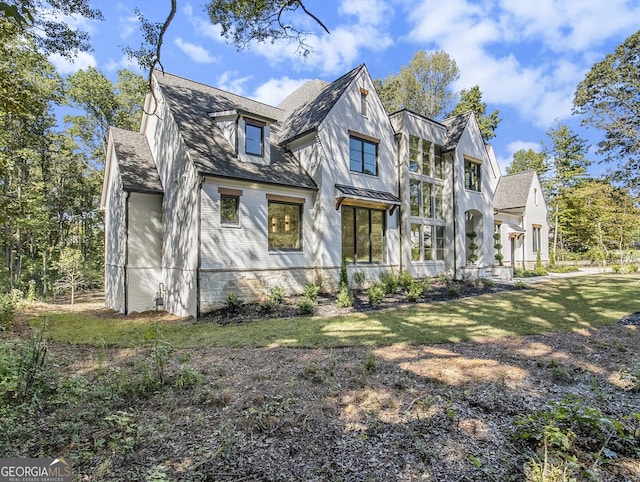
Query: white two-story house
220, 194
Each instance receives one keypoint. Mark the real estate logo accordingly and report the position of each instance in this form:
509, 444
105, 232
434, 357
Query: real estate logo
35, 470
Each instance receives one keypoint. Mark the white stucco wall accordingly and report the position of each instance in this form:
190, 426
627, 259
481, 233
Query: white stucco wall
536, 214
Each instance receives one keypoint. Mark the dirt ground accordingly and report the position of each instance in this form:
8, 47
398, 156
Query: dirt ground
400, 413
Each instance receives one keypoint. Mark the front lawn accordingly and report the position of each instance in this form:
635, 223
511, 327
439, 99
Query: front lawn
559, 305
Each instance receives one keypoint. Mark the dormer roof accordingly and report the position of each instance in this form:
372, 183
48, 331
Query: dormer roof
513, 190
191, 104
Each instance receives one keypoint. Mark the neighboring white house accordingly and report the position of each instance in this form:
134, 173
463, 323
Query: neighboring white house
221, 194
521, 219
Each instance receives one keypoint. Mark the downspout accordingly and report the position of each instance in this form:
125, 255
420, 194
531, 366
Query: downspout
455, 214
400, 210
198, 246
126, 252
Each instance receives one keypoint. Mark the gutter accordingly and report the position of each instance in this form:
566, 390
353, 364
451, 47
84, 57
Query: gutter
400, 210
126, 252
198, 246
455, 213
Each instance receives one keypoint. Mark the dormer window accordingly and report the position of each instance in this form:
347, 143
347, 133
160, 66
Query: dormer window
254, 138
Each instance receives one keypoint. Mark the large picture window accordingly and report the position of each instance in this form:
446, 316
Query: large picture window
472, 175
427, 242
363, 233
363, 156
253, 138
285, 226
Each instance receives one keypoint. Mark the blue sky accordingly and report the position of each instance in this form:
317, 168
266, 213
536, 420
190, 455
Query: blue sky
526, 56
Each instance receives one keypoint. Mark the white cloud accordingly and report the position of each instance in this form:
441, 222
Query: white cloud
65, 66
195, 52
273, 91
202, 26
124, 63
227, 81
340, 50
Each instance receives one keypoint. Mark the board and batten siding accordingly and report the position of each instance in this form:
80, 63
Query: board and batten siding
236, 258
115, 241
333, 133
144, 269
179, 214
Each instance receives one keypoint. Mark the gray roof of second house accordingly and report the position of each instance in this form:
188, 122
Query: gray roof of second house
191, 103
137, 170
512, 190
455, 128
308, 117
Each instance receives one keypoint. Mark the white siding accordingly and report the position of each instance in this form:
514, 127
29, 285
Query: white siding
180, 213
144, 268
115, 238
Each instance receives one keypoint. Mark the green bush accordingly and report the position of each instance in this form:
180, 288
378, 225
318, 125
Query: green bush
267, 306
311, 291
307, 306
233, 302
344, 275
276, 294
405, 280
359, 278
344, 298
414, 292
376, 294
454, 290
8, 307
389, 282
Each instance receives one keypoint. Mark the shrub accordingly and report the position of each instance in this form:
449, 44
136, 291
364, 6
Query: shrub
311, 292
454, 290
414, 292
267, 306
376, 294
7, 310
307, 306
359, 278
500, 258
276, 294
233, 302
405, 280
344, 275
633, 268
389, 282
344, 298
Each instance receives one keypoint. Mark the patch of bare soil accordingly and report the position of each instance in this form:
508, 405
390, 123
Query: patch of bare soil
400, 413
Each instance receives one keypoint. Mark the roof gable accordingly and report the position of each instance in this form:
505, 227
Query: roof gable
137, 169
308, 117
513, 190
191, 104
456, 126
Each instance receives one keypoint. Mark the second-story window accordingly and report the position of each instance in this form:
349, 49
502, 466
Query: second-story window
254, 137
472, 175
363, 156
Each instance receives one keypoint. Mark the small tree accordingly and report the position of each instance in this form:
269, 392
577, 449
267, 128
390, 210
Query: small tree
72, 273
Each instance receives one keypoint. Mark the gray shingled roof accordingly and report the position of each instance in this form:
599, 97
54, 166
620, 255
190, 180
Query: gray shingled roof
309, 116
512, 191
191, 103
137, 169
303, 94
455, 128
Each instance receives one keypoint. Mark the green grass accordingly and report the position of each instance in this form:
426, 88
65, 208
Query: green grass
562, 305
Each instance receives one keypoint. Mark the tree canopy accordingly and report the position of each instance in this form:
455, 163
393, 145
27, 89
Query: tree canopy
526, 159
423, 86
472, 100
609, 98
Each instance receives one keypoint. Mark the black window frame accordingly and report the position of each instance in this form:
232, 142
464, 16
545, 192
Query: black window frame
359, 164
472, 175
257, 125
358, 213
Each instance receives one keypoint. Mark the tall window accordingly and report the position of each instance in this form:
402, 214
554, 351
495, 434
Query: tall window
536, 238
425, 199
438, 163
253, 138
414, 153
472, 175
363, 156
285, 226
362, 234
427, 242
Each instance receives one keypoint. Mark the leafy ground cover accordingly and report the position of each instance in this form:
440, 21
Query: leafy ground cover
366, 399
